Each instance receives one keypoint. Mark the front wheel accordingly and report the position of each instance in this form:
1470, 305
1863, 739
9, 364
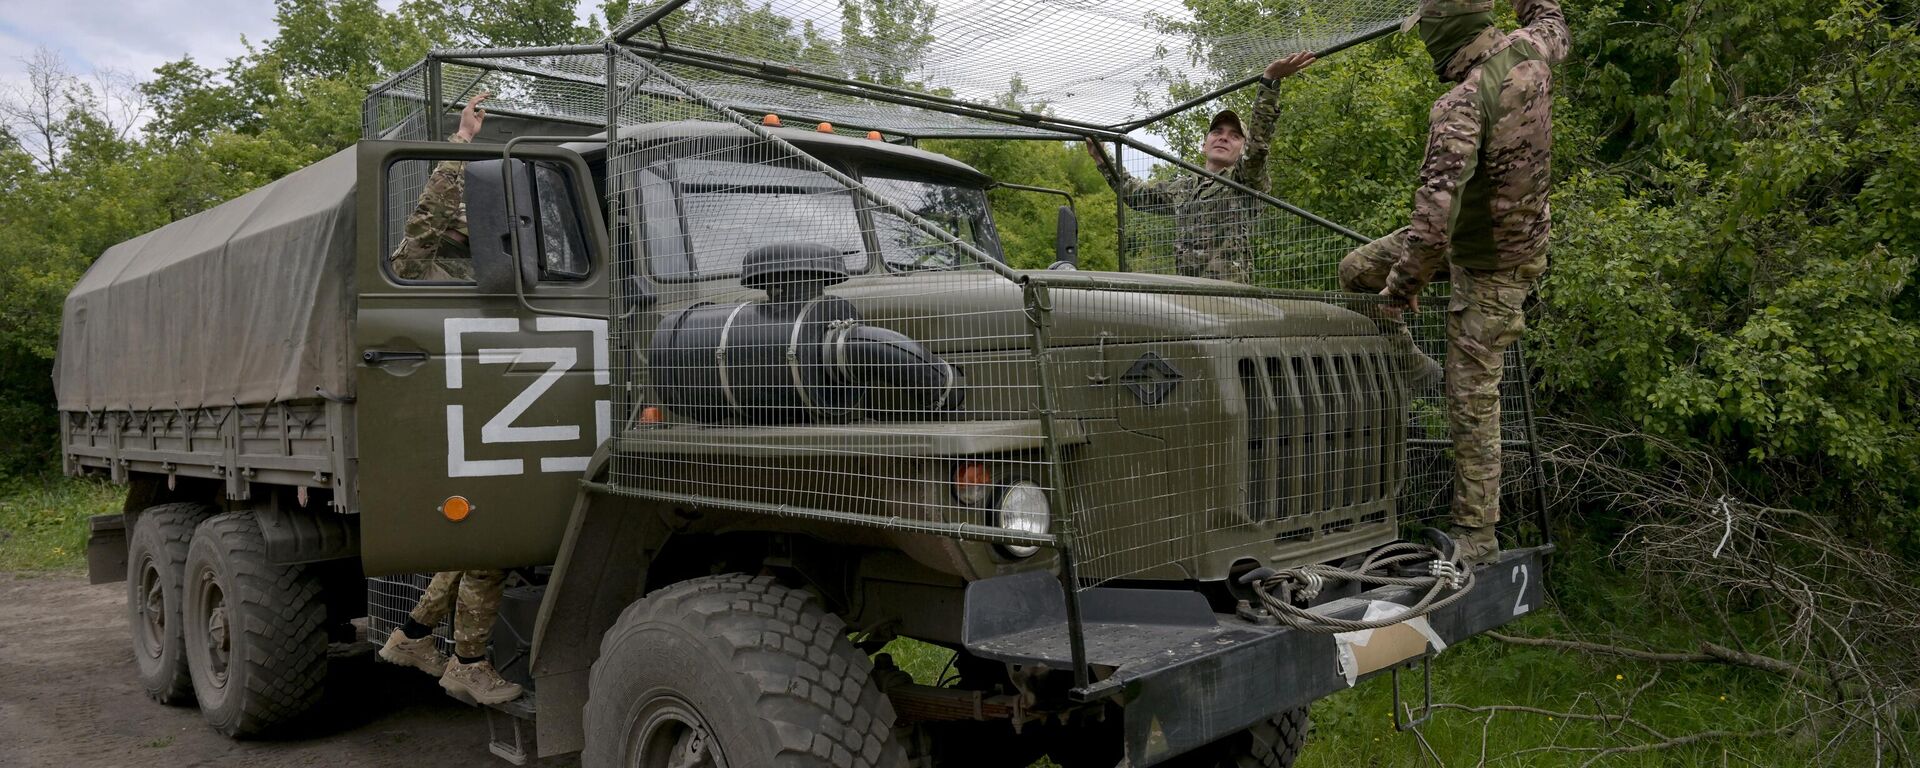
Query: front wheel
735, 671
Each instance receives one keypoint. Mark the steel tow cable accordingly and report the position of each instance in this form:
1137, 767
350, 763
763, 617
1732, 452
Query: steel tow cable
1446, 581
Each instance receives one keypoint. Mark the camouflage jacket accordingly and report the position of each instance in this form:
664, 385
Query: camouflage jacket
1213, 223
1482, 195
434, 241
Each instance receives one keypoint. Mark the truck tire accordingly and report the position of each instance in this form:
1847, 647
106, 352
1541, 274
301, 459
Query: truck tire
739, 666
1272, 743
156, 563
256, 634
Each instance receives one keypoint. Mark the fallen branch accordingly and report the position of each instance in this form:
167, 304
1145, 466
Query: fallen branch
1709, 653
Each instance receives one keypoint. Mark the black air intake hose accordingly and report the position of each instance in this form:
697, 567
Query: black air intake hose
879, 359
801, 355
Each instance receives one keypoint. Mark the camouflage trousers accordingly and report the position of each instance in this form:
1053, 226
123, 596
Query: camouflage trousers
474, 612
1484, 317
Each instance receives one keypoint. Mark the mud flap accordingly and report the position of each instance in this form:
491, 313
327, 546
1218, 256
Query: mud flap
1189, 681
107, 548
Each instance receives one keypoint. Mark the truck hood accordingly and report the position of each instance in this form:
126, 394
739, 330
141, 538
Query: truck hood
977, 311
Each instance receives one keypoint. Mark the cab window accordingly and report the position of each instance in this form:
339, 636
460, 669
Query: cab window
427, 226
958, 210
725, 209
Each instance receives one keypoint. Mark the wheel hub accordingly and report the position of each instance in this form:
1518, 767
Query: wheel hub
153, 612
670, 733
219, 640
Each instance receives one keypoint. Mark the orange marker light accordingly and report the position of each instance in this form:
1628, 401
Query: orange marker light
874, 135
972, 482
456, 508
824, 127
652, 415
771, 120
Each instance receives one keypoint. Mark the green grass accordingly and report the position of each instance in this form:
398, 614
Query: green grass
43, 522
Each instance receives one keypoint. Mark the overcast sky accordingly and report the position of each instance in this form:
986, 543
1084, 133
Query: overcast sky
132, 36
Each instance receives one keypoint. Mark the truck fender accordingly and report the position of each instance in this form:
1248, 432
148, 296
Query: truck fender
295, 536
107, 534
602, 568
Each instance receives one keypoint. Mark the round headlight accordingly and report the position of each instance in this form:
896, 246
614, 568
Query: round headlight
1023, 507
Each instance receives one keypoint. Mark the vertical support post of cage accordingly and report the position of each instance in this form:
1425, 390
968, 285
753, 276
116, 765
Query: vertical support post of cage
613, 101
369, 122
432, 112
1039, 308
1539, 470
1120, 212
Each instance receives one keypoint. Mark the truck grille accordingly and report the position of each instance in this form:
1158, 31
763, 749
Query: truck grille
1326, 433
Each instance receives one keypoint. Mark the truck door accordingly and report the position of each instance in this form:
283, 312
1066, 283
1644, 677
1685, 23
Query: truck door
476, 416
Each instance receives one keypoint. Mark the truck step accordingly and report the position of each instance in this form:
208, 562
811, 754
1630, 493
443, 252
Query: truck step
510, 729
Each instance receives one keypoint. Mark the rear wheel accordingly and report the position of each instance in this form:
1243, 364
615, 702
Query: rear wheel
734, 671
156, 563
255, 631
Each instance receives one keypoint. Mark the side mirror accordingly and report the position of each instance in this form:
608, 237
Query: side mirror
490, 233
1066, 238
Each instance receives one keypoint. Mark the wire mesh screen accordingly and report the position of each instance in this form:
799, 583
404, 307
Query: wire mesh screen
1226, 429
1103, 63
1176, 222
396, 109
390, 601
813, 324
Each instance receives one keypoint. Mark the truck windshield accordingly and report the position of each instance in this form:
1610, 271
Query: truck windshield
961, 211
731, 208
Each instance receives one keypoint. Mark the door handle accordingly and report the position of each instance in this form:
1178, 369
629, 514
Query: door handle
382, 357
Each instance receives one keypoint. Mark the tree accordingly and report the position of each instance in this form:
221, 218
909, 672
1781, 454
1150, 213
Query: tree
884, 41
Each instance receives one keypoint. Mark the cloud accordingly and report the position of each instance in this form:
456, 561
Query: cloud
131, 37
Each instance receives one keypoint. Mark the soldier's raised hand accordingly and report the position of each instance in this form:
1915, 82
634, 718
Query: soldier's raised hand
1288, 66
472, 116
1099, 153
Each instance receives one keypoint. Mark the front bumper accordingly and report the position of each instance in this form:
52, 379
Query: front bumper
1188, 677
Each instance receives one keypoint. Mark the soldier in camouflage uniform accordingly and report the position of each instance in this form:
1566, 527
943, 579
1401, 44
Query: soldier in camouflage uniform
1213, 223
434, 240
1479, 214
435, 248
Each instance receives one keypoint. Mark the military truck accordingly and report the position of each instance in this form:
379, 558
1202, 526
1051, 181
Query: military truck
752, 411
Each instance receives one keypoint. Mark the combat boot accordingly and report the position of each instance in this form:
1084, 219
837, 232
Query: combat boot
1474, 547
477, 683
421, 654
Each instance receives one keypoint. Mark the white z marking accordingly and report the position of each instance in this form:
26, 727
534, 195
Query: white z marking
500, 429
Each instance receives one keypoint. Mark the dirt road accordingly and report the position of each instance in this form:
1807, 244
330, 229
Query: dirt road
68, 697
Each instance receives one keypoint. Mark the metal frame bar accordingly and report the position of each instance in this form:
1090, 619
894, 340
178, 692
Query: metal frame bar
627, 31
854, 89
1039, 311
967, 531
432, 113
1216, 93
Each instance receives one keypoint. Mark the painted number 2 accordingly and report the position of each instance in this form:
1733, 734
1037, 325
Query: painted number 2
1519, 600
